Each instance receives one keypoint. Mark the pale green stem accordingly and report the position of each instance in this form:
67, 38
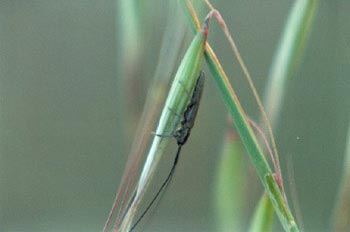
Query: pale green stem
287, 54
246, 134
174, 107
263, 216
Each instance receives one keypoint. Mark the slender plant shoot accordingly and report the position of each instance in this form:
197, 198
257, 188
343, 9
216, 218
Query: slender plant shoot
176, 103
239, 118
181, 135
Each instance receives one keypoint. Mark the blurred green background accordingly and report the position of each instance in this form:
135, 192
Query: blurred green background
63, 144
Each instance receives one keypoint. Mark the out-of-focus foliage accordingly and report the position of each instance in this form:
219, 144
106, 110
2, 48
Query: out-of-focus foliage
62, 150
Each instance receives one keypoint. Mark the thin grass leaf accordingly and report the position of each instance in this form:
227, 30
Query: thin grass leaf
341, 214
169, 52
129, 56
278, 202
174, 106
288, 52
287, 55
129, 30
263, 216
229, 184
245, 132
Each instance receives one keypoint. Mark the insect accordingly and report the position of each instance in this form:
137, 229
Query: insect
181, 135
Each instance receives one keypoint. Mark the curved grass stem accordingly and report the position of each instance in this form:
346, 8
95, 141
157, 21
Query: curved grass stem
245, 132
175, 104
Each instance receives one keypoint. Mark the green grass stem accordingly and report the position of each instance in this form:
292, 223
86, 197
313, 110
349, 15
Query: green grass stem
229, 190
169, 52
174, 106
287, 55
263, 216
245, 132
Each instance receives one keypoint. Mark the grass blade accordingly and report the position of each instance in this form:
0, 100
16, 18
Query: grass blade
263, 216
169, 52
174, 106
288, 53
245, 132
129, 54
229, 196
